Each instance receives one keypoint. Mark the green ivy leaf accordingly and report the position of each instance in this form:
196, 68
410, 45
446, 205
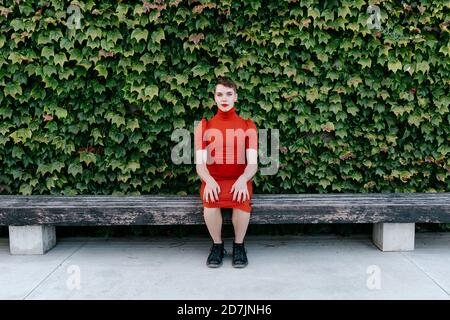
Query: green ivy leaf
101, 69
267, 106
47, 52
312, 94
94, 32
65, 43
159, 58
423, 66
132, 124
2, 40
158, 35
394, 66
313, 12
21, 135
354, 81
138, 67
66, 73
365, 62
17, 24
153, 15
118, 120
57, 166
277, 40
60, 112
43, 38
178, 108
443, 149
200, 70
329, 126
146, 59
114, 36
201, 23
133, 166
151, 91
193, 103
12, 89
221, 71
121, 10
178, 123
25, 189
324, 183
181, 79
169, 97
343, 11
49, 70
85, 64
60, 58
15, 57
139, 34
88, 157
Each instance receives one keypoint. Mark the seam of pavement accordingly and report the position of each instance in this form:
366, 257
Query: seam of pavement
424, 272
55, 269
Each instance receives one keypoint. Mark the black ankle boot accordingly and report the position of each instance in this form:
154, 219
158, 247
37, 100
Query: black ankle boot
239, 255
216, 255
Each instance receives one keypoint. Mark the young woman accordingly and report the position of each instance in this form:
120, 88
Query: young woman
226, 160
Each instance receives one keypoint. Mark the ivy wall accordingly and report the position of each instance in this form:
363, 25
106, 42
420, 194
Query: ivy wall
91, 92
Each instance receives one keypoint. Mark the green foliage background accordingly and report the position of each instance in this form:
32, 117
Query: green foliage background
92, 110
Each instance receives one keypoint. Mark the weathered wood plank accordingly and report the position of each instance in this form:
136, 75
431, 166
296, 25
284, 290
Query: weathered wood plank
261, 200
185, 210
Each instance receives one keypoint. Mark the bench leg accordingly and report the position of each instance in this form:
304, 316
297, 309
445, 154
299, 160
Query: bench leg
31, 239
394, 236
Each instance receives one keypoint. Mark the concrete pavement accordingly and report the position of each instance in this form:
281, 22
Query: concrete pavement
280, 267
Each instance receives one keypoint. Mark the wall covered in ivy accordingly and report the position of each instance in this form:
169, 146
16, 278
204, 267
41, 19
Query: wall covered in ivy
91, 91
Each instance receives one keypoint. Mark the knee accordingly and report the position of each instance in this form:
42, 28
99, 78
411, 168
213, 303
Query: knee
211, 210
239, 211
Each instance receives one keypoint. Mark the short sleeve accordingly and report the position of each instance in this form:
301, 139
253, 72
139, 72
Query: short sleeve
200, 143
251, 135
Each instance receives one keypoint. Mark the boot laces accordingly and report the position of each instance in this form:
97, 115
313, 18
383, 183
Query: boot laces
216, 252
239, 253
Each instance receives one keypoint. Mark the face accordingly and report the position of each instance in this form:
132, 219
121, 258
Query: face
225, 97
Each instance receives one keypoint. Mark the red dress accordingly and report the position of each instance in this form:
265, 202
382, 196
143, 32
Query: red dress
226, 160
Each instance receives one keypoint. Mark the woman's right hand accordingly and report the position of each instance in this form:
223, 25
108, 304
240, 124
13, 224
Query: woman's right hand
211, 191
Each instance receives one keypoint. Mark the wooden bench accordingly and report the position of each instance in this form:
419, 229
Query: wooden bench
32, 219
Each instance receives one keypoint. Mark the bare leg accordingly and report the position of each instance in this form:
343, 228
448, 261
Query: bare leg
240, 221
213, 219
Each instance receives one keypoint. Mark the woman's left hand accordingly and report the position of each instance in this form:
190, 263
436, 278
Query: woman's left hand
240, 190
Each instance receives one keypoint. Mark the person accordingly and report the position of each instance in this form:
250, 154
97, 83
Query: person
226, 160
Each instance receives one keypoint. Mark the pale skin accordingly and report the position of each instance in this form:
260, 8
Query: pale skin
225, 98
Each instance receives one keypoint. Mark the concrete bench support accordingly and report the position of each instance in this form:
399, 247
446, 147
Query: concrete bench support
394, 236
31, 239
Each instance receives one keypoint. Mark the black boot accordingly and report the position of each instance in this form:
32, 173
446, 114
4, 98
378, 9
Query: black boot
216, 255
239, 255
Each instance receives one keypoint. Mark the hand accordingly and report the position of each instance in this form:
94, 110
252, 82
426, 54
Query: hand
240, 190
211, 191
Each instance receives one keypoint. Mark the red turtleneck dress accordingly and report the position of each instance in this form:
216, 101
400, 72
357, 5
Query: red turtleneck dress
224, 164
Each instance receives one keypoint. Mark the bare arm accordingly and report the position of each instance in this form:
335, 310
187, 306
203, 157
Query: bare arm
252, 164
203, 172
